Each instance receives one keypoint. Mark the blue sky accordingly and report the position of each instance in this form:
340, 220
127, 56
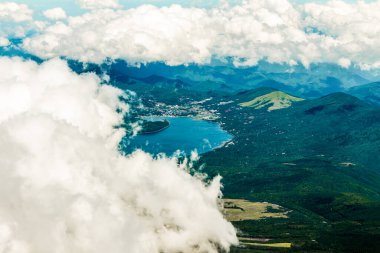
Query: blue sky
71, 8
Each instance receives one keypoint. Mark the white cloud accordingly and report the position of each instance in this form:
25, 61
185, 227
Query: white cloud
344, 62
10, 11
4, 42
98, 4
55, 13
353, 28
15, 19
175, 35
274, 30
64, 187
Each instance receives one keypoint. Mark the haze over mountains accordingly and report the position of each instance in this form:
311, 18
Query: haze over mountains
318, 80
315, 81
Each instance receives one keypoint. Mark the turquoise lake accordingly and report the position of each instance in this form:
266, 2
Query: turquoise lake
184, 134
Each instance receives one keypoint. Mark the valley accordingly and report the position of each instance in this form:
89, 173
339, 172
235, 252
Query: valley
316, 158
306, 140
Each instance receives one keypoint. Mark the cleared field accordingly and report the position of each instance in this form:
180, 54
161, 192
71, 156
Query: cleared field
240, 210
271, 245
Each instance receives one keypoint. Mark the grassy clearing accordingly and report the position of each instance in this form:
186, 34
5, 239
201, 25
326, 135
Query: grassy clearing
274, 101
240, 210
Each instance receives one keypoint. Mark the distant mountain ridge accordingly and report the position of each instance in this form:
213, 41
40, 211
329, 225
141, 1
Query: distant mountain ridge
368, 92
313, 82
316, 81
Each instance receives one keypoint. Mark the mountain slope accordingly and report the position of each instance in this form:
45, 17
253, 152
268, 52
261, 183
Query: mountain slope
369, 92
318, 158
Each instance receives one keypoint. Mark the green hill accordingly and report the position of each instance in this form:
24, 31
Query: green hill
318, 158
272, 101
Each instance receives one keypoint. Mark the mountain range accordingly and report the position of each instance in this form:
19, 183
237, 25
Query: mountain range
313, 82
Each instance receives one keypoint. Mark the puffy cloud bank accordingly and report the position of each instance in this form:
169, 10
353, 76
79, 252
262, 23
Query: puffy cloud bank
64, 187
98, 4
175, 35
11, 11
55, 13
15, 20
253, 30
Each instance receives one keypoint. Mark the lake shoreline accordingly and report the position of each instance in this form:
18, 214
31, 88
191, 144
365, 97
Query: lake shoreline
185, 134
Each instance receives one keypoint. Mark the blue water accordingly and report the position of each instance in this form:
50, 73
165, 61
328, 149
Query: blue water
184, 134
